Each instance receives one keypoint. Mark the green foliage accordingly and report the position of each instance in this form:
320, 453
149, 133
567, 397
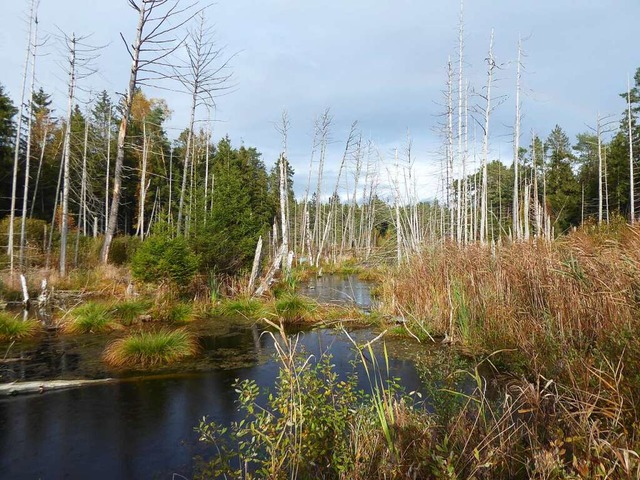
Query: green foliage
150, 349
294, 308
161, 258
128, 312
240, 211
244, 307
12, 328
123, 249
91, 317
302, 428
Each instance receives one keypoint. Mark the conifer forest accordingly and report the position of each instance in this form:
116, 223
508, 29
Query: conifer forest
435, 276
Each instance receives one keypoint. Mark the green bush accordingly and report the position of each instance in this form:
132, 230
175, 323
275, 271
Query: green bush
163, 259
123, 249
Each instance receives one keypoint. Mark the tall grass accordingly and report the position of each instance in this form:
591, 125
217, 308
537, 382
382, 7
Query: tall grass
91, 317
295, 308
246, 307
149, 349
575, 295
128, 312
12, 328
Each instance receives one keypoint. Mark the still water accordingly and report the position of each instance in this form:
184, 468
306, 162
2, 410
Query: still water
142, 427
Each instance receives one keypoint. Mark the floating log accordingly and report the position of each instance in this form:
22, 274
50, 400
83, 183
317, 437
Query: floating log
23, 388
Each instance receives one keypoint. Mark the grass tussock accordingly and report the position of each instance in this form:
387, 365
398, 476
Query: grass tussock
150, 349
245, 307
91, 317
294, 308
129, 312
12, 328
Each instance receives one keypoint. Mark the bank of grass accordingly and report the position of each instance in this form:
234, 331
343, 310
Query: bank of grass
577, 296
565, 316
90, 317
150, 349
12, 328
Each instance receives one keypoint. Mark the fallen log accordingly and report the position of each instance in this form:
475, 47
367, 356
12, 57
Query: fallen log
23, 388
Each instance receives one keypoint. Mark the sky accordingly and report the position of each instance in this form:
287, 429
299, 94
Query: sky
382, 63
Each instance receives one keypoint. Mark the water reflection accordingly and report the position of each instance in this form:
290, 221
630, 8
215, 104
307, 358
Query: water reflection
338, 289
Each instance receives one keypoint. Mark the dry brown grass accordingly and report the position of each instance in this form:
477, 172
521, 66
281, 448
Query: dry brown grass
532, 296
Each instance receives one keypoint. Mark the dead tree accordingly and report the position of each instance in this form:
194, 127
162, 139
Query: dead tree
484, 210
154, 42
80, 56
27, 160
16, 153
205, 74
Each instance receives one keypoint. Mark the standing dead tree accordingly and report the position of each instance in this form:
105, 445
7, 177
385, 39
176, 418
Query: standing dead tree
204, 75
16, 156
155, 40
80, 55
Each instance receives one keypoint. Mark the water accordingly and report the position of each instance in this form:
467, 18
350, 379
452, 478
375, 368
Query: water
142, 427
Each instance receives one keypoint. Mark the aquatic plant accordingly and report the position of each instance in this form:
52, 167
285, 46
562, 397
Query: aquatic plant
247, 307
12, 328
129, 311
294, 308
149, 349
91, 317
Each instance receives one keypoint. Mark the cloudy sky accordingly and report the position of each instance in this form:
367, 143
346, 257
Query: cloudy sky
380, 62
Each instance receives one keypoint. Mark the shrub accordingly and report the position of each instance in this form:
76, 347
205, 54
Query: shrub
164, 259
123, 249
148, 349
12, 328
92, 317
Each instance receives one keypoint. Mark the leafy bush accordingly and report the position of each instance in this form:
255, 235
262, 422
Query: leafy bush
123, 249
164, 259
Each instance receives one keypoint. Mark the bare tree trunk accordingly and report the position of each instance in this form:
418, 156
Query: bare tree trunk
43, 145
143, 181
66, 183
25, 193
484, 213
187, 158
600, 171
156, 45
517, 228
632, 200
16, 153
107, 174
